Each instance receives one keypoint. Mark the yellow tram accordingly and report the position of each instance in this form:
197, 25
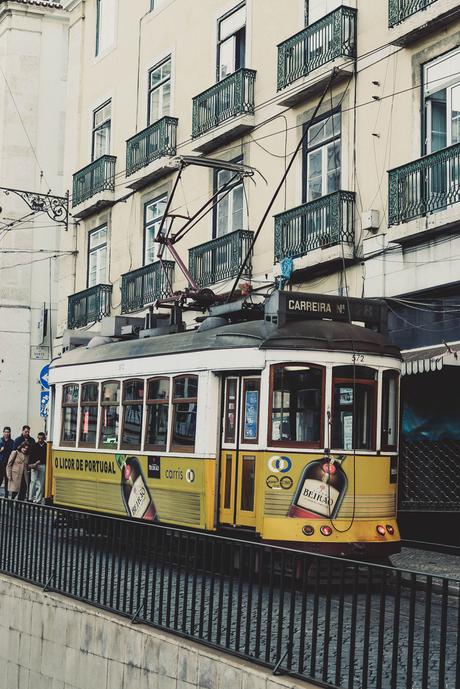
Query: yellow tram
283, 427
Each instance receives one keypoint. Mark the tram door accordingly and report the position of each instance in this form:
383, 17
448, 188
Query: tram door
240, 438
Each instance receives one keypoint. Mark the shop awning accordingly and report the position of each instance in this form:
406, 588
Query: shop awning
428, 359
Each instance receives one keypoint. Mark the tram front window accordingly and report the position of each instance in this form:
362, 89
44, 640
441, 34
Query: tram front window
110, 398
69, 414
353, 415
88, 414
133, 399
296, 404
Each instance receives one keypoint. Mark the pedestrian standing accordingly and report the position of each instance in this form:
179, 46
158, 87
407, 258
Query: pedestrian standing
6, 448
37, 465
16, 470
24, 437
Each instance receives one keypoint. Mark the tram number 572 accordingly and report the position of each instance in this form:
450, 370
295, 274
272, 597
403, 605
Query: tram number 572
357, 358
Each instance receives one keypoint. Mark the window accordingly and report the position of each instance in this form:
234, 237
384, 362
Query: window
159, 103
152, 5
97, 256
230, 210
133, 407
353, 411
322, 158
184, 413
231, 46
442, 101
250, 410
296, 405
157, 414
390, 410
231, 401
316, 9
88, 414
69, 414
105, 25
102, 123
153, 214
110, 425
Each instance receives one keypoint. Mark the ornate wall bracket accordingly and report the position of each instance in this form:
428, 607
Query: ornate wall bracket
56, 207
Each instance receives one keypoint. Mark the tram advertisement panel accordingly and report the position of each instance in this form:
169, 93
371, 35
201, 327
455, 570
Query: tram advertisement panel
148, 487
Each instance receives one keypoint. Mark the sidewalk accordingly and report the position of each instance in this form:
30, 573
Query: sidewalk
431, 562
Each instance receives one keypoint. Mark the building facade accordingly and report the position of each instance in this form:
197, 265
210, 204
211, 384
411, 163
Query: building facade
33, 65
369, 206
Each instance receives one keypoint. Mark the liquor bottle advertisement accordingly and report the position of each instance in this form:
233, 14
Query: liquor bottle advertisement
320, 490
134, 490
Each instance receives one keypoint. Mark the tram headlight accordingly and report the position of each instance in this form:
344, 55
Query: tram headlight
390, 529
326, 530
380, 530
308, 530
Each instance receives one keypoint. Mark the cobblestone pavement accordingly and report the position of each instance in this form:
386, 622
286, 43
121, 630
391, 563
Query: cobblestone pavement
420, 560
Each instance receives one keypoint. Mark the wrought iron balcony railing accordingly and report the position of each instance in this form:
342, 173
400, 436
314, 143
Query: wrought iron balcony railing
95, 177
399, 10
321, 223
89, 306
144, 285
332, 36
151, 143
221, 258
424, 185
229, 98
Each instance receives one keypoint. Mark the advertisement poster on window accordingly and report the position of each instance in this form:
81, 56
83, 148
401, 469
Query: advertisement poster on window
251, 406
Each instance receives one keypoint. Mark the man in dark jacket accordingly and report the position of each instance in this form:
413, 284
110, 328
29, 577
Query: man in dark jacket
25, 436
6, 448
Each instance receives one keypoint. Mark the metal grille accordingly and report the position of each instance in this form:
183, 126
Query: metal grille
424, 185
96, 177
229, 98
428, 475
332, 36
89, 306
324, 222
221, 258
152, 143
145, 285
399, 10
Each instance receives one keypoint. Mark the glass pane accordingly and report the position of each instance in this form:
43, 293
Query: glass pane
88, 425
158, 389
98, 237
438, 108
184, 425
442, 71
315, 175
106, 24
155, 209
346, 434
455, 115
157, 425
297, 404
333, 167
165, 109
230, 411
228, 481
110, 392
247, 483
89, 392
186, 387
251, 410
390, 409
238, 208
132, 425
227, 57
109, 426
319, 8
223, 225
70, 394
101, 265
133, 390
154, 106
69, 424
232, 23
101, 141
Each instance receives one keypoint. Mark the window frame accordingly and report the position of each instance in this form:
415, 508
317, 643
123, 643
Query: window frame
150, 402
220, 41
388, 374
307, 149
65, 405
215, 212
186, 449
151, 89
296, 443
102, 404
127, 403
106, 124
82, 403
354, 382
95, 250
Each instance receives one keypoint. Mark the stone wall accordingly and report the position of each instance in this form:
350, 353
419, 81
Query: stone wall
48, 641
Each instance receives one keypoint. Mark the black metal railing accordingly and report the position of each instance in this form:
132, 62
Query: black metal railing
399, 10
330, 37
88, 306
424, 185
145, 285
229, 98
154, 142
221, 258
96, 177
318, 224
335, 622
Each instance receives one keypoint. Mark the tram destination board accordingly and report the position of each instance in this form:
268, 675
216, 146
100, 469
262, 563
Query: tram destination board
292, 305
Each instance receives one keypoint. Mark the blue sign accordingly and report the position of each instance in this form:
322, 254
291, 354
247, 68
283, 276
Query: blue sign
44, 402
44, 377
251, 412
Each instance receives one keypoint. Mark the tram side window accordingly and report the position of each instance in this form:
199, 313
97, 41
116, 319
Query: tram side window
69, 414
353, 413
88, 414
390, 410
110, 422
133, 406
297, 402
184, 413
156, 433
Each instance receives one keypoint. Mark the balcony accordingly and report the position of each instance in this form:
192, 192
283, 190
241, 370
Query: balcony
94, 186
429, 185
221, 258
89, 306
225, 111
303, 59
410, 20
326, 223
143, 286
149, 151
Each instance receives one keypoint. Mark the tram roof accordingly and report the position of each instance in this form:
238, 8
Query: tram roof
322, 335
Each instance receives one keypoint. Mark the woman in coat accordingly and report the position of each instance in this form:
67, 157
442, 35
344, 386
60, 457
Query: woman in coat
16, 471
